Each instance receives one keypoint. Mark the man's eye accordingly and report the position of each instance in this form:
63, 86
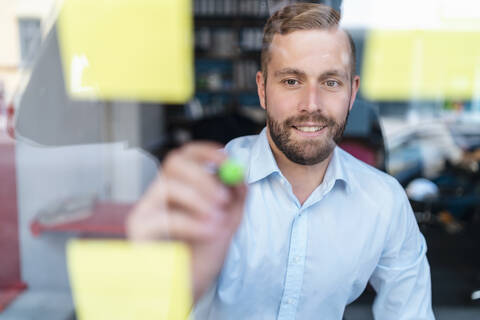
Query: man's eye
332, 83
291, 82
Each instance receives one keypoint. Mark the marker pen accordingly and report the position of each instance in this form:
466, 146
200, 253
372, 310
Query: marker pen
230, 172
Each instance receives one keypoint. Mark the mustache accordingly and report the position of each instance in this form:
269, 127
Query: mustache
316, 117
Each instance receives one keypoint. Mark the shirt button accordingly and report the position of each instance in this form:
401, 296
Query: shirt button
290, 301
296, 259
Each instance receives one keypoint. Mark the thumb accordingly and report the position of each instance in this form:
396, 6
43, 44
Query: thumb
237, 204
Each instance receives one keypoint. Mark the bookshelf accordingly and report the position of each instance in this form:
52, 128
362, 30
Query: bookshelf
228, 40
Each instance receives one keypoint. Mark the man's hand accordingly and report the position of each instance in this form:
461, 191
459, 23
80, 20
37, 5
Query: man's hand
188, 203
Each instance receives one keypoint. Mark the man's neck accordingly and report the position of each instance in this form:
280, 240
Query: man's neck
303, 178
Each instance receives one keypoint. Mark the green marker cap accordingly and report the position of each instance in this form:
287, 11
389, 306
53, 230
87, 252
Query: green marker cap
231, 172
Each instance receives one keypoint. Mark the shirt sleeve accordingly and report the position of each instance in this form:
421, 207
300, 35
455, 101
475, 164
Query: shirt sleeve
402, 276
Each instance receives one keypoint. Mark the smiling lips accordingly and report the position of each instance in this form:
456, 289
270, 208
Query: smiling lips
309, 130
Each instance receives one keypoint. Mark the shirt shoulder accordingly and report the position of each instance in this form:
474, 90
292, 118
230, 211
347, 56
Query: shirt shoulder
376, 186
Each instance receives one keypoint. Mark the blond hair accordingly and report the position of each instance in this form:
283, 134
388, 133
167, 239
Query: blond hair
301, 16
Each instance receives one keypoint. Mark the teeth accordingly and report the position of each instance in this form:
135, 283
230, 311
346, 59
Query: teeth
309, 129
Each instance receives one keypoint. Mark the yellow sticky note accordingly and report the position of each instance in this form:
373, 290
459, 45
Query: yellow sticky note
421, 64
113, 279
127, 49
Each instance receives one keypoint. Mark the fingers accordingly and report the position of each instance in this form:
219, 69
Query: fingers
240, 191
200, 204
186, 201
189, 166
236, 205
195, 174
174, 226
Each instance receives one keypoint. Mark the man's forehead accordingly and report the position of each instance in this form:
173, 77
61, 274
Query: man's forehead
303, 40
311, 48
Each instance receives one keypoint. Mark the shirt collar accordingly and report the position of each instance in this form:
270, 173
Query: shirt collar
262, 164
336, 170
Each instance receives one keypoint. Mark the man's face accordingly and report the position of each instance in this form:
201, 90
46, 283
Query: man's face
308, 93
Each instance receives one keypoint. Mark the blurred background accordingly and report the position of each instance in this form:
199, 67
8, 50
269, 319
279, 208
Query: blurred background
74, 156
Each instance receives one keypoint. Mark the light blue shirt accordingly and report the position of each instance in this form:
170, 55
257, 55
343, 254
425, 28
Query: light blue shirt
293, 261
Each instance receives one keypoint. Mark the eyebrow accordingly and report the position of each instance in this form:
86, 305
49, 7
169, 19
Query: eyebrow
333, 73
301, 74
288, 72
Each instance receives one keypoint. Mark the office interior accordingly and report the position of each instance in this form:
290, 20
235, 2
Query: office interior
73, 162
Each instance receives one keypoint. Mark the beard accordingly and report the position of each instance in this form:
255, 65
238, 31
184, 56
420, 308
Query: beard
309, 151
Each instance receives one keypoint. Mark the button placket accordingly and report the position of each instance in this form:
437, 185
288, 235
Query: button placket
295, 268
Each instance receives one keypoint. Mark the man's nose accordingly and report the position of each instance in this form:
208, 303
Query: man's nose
310, 101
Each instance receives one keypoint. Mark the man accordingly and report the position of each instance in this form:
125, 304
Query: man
315, 224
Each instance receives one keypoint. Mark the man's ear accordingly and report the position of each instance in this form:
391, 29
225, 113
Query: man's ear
355, 86
261, 88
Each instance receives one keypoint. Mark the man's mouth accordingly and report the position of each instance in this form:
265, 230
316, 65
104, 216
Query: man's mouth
309, 128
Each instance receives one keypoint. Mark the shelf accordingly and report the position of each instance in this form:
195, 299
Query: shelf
226, 91
243, 55
106, 219
238, 38
7, 295
230, 21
